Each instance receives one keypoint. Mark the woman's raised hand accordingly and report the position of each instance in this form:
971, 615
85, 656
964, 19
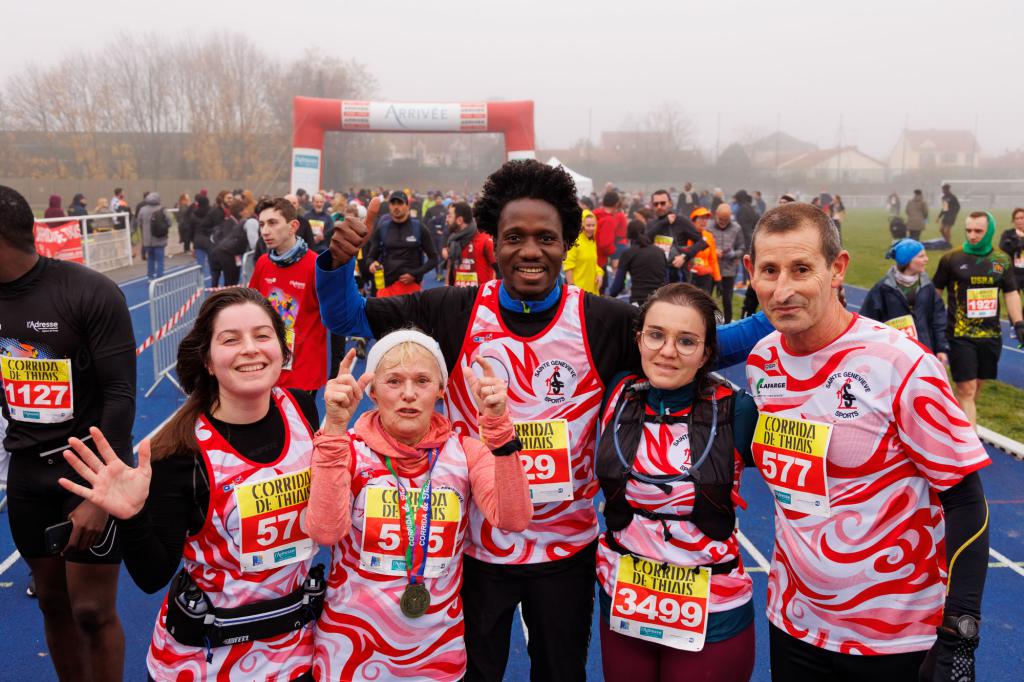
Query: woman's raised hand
116, 488
489, 392
342, 395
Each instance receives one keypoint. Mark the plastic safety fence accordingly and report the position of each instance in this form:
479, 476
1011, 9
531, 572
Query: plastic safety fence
172, 311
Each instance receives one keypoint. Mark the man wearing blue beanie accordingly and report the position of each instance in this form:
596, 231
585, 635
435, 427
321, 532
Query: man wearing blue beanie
906, 299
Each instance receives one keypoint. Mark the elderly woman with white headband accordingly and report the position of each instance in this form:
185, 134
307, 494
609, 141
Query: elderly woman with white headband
391, 496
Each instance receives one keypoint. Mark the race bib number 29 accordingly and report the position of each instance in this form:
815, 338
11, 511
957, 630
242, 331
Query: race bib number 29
661, 603
546, 460
791, 456
273, 521
38, 390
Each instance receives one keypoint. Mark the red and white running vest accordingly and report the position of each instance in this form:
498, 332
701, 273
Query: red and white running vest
550, 376
256, 517
362, 633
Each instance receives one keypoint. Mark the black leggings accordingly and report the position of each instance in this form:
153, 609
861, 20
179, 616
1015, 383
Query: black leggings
558, 606
794, 660
725, 288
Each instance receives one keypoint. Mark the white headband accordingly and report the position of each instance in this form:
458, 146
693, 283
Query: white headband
399, 337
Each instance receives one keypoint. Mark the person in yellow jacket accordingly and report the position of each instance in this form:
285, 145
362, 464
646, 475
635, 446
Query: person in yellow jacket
580, 263
704, 265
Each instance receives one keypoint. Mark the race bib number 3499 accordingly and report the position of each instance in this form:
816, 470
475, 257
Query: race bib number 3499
661, 603
791, 456
38, 390
273, 521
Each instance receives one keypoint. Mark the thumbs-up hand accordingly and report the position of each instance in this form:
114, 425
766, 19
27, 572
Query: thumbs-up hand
350, 235
342, 395
489, 392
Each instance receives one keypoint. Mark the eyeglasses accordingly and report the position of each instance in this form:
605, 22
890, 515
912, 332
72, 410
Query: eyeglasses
654, 339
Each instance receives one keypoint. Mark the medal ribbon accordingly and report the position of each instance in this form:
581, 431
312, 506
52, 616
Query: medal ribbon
417, 541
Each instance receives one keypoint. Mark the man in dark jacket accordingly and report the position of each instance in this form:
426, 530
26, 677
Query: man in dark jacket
320, 220
1012, 244
948, 214
78, 206
401, 248
669, 231
906, 298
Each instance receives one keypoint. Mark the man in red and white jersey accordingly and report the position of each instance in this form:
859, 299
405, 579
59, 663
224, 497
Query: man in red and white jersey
873, 466
286, 276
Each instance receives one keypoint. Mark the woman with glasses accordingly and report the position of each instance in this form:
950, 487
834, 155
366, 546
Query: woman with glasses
675, 599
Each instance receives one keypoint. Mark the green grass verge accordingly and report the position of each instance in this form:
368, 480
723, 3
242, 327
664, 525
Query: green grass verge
866, 237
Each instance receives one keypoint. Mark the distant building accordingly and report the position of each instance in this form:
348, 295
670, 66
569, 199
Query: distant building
771, 151
842, 164
927, 149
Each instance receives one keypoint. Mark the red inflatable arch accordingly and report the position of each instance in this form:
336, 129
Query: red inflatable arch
313, 117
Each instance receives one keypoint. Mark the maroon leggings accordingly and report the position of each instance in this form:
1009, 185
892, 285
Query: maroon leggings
629, 659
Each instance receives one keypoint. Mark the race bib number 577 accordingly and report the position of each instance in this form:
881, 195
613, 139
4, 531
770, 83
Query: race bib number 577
273, 521
791, 456
38, 390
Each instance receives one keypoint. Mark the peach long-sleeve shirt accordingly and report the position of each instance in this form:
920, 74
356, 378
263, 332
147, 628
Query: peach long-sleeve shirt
498, 484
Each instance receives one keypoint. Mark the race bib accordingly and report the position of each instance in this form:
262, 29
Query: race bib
663, 242
273, 521
661, 603
384, 532
465, 279
982, 303
38, 390
318, 227
905, 323
545, 458
378, 280
791, 456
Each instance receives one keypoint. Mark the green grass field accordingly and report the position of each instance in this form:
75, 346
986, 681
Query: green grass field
866, 237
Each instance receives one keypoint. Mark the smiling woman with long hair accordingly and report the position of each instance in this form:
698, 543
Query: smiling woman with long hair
226, 492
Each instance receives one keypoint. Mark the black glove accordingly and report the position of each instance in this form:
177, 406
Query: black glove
1018, 328
951, 659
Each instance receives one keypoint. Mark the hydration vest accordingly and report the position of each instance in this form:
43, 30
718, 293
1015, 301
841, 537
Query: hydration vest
714, 512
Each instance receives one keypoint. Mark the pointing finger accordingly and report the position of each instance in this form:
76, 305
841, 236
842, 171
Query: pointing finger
485, 365
346, 364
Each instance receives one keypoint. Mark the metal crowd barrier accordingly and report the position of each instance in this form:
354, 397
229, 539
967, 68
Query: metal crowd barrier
167, 296
248, 265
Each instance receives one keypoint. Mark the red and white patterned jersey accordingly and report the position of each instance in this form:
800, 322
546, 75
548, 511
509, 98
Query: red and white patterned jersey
550, 376
869, 578
213, 557
362, 633
664, 450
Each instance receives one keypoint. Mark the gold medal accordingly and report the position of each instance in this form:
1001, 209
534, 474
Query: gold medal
415, 600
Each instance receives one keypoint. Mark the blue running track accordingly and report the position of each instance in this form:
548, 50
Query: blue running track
1000, 659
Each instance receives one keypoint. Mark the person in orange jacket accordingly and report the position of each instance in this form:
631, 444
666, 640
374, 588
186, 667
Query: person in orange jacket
704, 272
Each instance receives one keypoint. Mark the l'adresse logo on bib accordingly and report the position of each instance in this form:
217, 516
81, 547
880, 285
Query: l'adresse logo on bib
554, 381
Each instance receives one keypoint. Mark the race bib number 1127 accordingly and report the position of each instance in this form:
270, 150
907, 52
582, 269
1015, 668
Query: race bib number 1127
38, 390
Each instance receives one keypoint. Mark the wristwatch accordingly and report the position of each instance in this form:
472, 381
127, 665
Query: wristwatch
964, 627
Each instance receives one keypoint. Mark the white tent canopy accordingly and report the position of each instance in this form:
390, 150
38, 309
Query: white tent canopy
584, 185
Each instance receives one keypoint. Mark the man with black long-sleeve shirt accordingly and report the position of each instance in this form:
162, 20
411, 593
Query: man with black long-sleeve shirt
402, 248
67, 362
675, 234
558, 348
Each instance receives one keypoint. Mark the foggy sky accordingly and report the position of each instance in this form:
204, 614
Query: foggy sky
736, 68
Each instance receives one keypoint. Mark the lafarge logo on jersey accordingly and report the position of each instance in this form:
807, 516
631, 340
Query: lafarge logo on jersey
770, 387
43, 327
847, 386
554, 380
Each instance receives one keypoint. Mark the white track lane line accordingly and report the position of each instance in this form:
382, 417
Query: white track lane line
526, 633
9, 561
752, 550
1009, 563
